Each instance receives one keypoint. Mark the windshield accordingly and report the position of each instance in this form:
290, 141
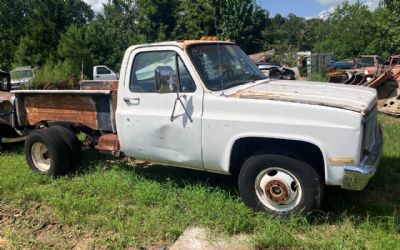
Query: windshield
223, 66
21, 74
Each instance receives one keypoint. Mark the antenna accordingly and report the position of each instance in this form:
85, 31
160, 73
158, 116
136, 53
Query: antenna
219, 52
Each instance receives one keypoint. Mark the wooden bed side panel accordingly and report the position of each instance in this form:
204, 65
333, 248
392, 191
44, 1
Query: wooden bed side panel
89, 110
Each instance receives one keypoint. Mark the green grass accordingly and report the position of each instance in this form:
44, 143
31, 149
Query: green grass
116, 204
316, 77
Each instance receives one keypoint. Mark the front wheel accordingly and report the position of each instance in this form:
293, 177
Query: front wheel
279, 185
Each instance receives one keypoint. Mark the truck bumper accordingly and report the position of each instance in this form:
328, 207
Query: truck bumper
356, 177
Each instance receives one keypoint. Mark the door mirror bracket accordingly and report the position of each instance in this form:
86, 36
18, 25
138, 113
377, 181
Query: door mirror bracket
166, 84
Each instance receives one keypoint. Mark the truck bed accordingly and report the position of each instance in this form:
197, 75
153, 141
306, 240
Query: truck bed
94, 109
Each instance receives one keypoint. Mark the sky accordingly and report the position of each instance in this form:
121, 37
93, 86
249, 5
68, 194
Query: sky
303, 8
306, 8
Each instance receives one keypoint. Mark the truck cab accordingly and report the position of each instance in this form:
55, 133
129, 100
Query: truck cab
8, 134
205, 105
21, 77
102, 72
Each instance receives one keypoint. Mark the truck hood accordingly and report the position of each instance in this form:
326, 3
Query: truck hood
354, 98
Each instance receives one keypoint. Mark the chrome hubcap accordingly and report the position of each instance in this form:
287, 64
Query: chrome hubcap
278, 189
41, 156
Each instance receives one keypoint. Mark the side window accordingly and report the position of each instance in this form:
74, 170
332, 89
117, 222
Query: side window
4, 83
143, 72
103, 71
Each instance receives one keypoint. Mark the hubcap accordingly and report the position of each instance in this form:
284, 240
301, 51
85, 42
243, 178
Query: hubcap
41, 156
278, 189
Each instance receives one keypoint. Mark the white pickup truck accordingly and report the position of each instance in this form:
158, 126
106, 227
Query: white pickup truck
204, 105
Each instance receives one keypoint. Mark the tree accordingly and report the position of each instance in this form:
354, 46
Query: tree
43, 24
12, 20
112, 32
74, 49
347, 31
194, 19
156, 19
387, 20
236, 22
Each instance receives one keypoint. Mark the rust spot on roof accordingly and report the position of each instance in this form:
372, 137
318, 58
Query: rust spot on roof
186, 43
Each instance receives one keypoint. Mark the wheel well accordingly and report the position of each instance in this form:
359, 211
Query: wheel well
304, 151
7, 131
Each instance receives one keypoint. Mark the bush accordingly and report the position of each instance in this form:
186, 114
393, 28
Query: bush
59, 75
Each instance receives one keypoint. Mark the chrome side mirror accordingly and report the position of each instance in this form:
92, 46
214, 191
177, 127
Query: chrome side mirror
164, 79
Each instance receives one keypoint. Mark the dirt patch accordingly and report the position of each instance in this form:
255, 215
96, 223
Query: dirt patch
33, 225
195, 238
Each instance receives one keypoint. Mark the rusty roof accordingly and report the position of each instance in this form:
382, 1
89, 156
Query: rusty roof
185, 43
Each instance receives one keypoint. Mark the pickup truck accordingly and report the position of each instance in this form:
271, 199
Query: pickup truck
205, 105
8, 134
102, 72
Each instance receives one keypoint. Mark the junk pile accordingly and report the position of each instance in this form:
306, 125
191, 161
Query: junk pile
273, 70
385, 78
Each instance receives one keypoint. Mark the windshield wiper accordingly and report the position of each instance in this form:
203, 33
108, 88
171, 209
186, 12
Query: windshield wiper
237, 83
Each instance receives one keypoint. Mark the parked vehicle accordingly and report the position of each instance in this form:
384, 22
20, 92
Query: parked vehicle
205, 105
7, 118
102, 72
370, 60
21, 77
276, 71
338, 65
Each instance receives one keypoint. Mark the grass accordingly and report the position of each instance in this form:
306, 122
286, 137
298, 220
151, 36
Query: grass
120, 203
317, 77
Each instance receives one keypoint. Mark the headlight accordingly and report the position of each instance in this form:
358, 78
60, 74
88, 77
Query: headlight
5, 108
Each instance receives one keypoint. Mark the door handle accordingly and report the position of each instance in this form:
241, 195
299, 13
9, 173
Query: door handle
132, 101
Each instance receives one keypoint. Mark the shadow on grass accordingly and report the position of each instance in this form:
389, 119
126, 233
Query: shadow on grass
160, 173
14, 148
380, 198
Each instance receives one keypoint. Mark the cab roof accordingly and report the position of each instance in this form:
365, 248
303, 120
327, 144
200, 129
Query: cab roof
183, 44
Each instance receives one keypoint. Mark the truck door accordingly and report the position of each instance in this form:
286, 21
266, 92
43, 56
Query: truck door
103, 73
147, 126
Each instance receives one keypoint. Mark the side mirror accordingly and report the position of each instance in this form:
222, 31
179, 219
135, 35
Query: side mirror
164, 79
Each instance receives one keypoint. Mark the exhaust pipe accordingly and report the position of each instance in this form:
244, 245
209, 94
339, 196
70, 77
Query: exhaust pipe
13, 140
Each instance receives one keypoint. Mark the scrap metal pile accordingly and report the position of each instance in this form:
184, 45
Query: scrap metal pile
383, 77
272, 69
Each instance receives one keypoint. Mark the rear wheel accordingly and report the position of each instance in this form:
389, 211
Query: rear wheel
74, 145
46, 152
279, 185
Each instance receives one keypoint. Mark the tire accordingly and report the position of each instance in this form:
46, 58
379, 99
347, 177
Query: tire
46, 152
74, 145
279, 185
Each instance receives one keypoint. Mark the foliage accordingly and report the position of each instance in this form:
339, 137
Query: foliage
74, 49
44, 23
62, 74
34, 32
348, 31
316, 77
